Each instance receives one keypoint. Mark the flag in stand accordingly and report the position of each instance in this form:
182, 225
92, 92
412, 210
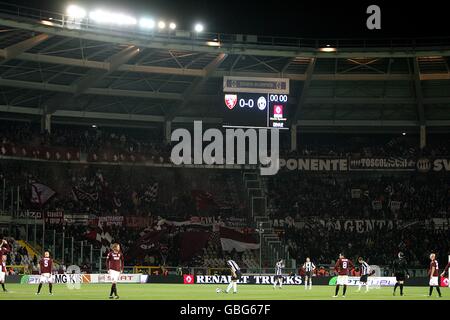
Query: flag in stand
40, 193
203, 199
232, 239
151, 193
80, 195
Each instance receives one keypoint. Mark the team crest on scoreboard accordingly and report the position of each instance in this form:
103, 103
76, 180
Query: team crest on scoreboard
230, 100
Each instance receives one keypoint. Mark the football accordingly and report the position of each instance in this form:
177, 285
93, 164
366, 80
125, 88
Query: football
218, 290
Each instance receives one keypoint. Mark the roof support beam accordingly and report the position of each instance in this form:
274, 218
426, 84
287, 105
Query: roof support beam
15, 50
306, 84
197, 84
113, 63
419, 93
202, 46
220, 73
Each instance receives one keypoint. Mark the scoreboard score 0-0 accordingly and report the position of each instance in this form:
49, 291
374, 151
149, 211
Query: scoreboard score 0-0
255, 102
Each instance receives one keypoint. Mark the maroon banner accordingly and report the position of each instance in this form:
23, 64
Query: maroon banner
137, 222
192, 243
54, 217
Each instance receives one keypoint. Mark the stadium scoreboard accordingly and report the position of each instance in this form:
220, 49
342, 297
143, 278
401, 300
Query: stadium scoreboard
255, 102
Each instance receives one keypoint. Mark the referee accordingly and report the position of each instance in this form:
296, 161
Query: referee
400, 271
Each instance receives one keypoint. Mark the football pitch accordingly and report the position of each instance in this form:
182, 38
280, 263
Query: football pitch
208, 292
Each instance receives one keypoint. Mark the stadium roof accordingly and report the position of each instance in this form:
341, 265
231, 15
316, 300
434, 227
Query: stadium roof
76, 72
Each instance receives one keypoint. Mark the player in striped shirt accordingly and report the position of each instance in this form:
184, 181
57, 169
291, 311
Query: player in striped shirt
235, 276
365, 273
279, 273
309, 268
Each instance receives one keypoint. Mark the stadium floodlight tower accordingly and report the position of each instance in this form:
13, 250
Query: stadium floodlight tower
260, 230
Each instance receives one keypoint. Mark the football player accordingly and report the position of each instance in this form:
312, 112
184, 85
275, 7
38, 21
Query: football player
4, 250
235, 276
433, 272
114, 264
365, 273
342, 267
279, 273
309, 268
45, 270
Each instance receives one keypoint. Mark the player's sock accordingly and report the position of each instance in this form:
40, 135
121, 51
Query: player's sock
431, 291
3, 287
344, 290
39, 287
367, 286
395, 287
234, 286
50, 287
306, 285
337, 290
229, 287
359, 286
401, 289
310, 284
438, 290
281, 283
112, 290
115, 289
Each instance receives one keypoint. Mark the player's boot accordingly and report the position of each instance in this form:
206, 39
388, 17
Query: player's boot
334, 296
117, 297
111, 297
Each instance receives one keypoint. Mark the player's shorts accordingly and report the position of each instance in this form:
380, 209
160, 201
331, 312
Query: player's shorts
278, 276
308, 274
363, 278
342, 280
400, 276
46, 278
238, 275
2, 276
114, 275
434, 282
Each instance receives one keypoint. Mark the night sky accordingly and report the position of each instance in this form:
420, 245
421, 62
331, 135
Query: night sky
312, 18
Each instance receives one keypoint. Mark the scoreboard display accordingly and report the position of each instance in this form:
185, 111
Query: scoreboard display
255, 102
255, 110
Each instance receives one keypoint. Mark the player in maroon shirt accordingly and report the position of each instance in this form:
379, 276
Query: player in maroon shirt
433, 272
4, 250
445, 270
114, 264
45, 270
342, 267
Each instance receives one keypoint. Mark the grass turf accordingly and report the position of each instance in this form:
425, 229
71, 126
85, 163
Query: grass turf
208, 292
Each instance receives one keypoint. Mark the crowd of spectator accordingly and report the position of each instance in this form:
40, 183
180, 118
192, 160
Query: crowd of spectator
84, 138
407, 196
378, 246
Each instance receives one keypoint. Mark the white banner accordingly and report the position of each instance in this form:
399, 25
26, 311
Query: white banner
372, 281
269, 280
230, 244
87, 278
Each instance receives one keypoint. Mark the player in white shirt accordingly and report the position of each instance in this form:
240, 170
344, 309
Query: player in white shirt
309, 268
235, 276
365, 273
279, 273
